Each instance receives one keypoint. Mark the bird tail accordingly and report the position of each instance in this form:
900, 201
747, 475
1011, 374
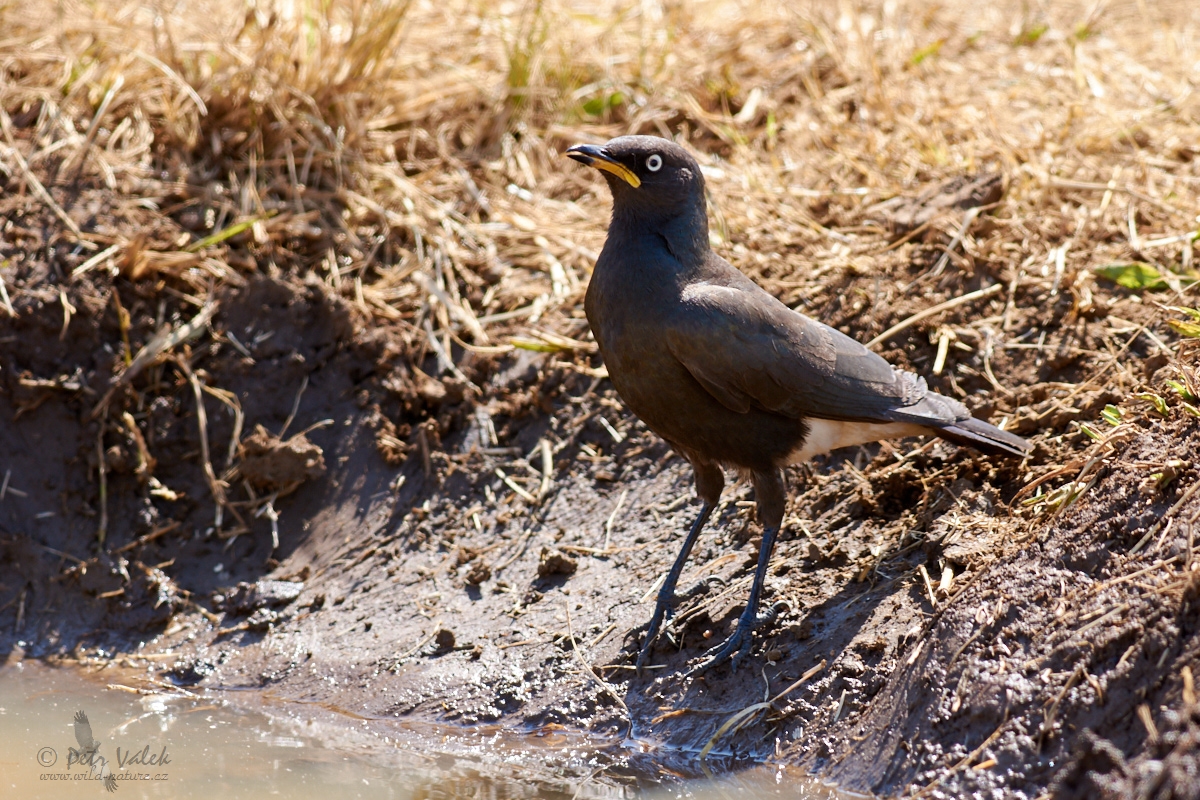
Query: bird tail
985, 438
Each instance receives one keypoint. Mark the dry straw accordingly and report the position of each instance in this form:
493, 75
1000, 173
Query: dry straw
387, 139
406, 153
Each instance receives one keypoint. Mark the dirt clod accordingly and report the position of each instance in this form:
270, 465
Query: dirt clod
247, 597
555, 562
478, 573
190, 672
261, 620
444, 640
272, 464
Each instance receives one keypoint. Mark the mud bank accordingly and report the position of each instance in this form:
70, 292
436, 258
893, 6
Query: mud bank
483, 550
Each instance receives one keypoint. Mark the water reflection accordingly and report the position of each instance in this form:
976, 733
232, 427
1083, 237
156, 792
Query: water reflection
64, 734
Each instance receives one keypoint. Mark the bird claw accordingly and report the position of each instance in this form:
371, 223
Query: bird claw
738, 645
700, 587
664, 611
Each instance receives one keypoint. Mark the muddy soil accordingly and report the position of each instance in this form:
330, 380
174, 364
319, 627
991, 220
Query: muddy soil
354, 525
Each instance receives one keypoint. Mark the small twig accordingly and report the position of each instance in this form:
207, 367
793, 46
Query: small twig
69, 311
61, 554
968, 218
547, 469
1143, 712
443, 358
149, 537
967, 759
612, 517
928, 585
740, 718
95, 126
516, 487
603, 683
1060, 183
521, 544
231, 401
939, 308
522, 643
1101, 619
295, 407
152, 350
4, 297
416, 647
599, 638
1161, 520
1052, 712
617, 436
102, 527
268, 510
324, 423
214, 485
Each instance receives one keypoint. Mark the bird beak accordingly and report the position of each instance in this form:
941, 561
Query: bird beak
595, 156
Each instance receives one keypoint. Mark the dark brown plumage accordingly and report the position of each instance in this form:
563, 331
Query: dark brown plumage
725, 372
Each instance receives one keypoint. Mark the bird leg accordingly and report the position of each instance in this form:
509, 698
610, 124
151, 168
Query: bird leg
664, 609
709, 483
770, 497
741, 639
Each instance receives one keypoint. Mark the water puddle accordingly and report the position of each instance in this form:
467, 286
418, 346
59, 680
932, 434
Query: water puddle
66, 734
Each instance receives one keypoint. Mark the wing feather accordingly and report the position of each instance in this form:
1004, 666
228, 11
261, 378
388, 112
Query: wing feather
746, 348
83, 730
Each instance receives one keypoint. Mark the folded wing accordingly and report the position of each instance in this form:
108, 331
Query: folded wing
746, 352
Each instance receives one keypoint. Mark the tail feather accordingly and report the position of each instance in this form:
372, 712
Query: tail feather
985, 437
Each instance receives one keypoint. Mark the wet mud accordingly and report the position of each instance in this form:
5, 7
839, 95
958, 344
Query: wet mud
350, 525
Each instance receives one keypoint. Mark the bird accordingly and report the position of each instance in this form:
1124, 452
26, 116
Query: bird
88, 745
727, 374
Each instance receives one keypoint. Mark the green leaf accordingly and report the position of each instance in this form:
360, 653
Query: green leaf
1181, 389
1159, 404
1183, 328
536, 345
926, 52
1112, 415
1030, 35
1133, 275
227, 233
1091, 434
604, 102
1191, 409
1194, 313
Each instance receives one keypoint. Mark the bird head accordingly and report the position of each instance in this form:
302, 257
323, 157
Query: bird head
652, 178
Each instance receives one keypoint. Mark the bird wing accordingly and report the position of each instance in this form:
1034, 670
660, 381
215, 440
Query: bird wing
748, 349
83, 730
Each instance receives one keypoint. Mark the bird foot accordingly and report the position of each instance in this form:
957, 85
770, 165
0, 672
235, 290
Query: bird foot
665, 610
738, 645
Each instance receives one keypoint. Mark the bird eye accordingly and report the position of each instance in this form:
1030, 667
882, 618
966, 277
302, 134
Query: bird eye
654, 163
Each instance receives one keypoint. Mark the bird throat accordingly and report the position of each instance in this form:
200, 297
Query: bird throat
684, 235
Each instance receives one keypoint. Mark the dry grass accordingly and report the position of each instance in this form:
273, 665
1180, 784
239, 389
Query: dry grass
406, 152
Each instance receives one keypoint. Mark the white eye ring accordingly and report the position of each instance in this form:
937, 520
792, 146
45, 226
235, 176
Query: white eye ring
654, 162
